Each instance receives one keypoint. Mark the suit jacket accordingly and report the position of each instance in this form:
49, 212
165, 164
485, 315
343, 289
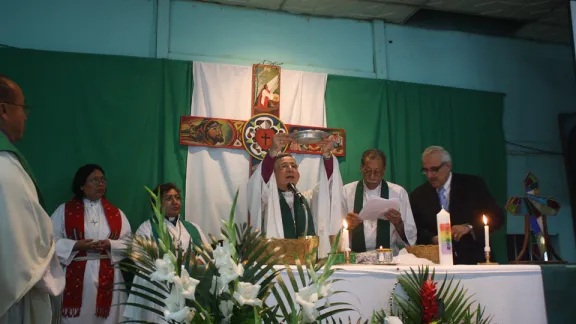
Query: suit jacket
469, 200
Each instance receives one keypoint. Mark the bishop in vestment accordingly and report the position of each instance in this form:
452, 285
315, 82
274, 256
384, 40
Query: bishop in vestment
281, 213
398, 229
29, 269
182, 234
90, 233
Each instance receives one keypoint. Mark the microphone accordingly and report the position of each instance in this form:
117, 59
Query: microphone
292, 188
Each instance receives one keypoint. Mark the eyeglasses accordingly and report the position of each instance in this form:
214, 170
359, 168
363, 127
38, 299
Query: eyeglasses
288, 166
433, 170
372, 172
26, 108
96, 181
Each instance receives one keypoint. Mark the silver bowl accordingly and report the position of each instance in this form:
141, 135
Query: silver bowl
308, 136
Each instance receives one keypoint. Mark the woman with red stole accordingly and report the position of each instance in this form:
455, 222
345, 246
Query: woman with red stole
89, 233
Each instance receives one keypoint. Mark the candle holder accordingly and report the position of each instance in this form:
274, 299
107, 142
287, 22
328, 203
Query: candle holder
347, 257
487, 255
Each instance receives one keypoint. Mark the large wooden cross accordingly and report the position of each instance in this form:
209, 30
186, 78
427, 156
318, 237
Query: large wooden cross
254, 135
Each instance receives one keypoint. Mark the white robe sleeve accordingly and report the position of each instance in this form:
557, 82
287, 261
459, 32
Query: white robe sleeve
408, 219
64, 245
328, 206
144, 229
29, 270
118, 247
264, 204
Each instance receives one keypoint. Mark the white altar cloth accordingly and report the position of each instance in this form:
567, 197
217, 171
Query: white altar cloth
510, 293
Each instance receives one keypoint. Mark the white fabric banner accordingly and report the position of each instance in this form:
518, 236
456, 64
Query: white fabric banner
214, 174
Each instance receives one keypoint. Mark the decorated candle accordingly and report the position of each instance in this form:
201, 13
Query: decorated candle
444, 237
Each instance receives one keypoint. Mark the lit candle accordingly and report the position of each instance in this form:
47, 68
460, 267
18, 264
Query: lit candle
345, 239
486, 234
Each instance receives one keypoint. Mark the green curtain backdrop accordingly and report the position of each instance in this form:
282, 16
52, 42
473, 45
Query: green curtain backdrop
123, 113
119, 112
402, 119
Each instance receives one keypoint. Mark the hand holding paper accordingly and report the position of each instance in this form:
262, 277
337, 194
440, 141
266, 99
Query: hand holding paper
376, 207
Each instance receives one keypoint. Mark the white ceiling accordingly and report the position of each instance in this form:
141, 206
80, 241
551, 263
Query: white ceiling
540, 20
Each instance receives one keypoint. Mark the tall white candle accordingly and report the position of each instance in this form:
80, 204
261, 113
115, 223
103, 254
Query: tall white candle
345, 246
486, 234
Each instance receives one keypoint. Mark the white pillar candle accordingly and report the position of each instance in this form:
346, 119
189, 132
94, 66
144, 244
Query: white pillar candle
345, 239
444, 238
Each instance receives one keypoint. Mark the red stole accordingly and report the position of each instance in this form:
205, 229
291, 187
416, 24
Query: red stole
74, 224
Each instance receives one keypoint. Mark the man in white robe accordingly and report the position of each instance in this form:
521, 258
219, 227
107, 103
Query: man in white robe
99, 244
29, 269
181, 232
398, 229
276, 209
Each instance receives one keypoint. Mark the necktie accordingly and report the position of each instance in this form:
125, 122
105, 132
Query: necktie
442, 196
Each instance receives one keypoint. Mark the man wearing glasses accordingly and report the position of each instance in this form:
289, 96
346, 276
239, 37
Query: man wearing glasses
29, 269
464, 196
398, 228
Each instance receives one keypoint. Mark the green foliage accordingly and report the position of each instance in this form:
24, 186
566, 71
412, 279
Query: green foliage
455, 304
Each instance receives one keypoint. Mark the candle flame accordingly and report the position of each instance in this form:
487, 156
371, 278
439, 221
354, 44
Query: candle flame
485, 220
345, 224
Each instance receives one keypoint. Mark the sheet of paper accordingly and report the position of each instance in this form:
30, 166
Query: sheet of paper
375, 207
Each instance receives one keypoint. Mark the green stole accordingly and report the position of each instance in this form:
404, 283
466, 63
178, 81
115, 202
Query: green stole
190, 228
383, 226
294, 226
6, 145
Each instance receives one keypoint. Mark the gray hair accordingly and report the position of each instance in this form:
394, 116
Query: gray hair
437, 149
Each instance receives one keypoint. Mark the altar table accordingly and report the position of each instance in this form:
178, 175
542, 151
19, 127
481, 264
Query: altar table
510, 293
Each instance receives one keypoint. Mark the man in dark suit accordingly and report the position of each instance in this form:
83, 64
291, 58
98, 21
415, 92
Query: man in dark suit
464, 196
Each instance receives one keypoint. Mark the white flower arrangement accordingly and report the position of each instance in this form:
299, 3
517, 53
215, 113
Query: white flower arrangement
235, 287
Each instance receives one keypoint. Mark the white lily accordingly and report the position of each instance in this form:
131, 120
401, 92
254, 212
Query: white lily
307, 298
392, 320
164, 269
226, 307
222, 254
246, 294
187, 283
230, 272
176, 308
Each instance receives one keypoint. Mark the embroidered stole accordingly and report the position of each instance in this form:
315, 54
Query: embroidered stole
294, 226
383, 227
74, 224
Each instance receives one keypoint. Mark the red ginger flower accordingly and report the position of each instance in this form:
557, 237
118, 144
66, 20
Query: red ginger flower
428, 301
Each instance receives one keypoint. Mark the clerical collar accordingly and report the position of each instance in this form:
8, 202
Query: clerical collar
173, 220
91, 202
4, 132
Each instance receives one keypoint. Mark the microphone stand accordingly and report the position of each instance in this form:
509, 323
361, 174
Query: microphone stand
292, 188
305, 214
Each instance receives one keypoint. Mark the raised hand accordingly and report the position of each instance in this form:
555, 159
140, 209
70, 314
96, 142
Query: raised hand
327, 146
278, 142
